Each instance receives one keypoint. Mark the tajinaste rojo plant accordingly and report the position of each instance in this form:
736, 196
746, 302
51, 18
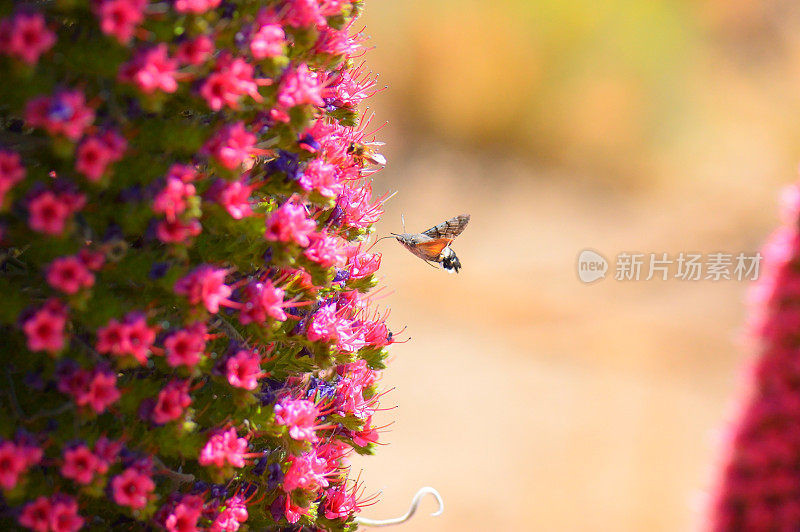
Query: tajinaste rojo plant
188, 336
759, 484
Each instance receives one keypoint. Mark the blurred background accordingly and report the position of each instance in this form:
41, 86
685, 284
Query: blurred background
530, 400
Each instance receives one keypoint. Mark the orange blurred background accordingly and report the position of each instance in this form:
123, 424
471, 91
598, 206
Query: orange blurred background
530, 400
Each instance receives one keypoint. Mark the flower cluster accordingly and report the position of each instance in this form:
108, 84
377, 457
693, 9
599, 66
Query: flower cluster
186, 197
759, 484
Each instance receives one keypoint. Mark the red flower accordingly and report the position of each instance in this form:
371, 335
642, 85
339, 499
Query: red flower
290, 223
206, 285
151, 70
231, 146
69, 274
80, 464
132, 488
171, 403
45, 329
25, 35
244, 369
120, 17
186, 346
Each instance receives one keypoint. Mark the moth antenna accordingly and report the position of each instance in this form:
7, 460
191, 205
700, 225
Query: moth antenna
403, 219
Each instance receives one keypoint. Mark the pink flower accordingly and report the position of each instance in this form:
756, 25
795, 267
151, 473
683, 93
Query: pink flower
293, 511
63, 113
323, 177
186, 346
106, 452
195, 6
14, 461
195, 51
80, 464
120, 18
231, 146
25, 35
290, 223
93, 260
132, 488
131, 337
151, 70
234, 197
177, 231
366, 435
48, 212
326, 250
45, 328
64, 514
97, 152
183, 518
172, 401
358, 211
244, 369
339, 503
303, 14
327, 326
172, 199
268, 41
300, 416
306, 472
300, 86
363, 265
339, 42
101, 393
231, 79
36, 515
69, 274
229, 519
205, 284
11, 172
262, 299
222, 448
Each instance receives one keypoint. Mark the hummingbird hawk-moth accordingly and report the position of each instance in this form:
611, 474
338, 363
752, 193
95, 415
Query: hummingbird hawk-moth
433, 245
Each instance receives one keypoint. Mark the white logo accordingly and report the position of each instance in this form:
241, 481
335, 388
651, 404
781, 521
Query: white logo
591, 266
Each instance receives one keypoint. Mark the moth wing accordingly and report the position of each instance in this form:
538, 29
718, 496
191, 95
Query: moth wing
449, 229
433, 248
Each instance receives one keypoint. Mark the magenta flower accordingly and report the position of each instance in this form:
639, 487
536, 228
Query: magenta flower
206, 284
303, 14
195, 6
172, 200
299, 416
339, 503
171, 402
101, 393
186, 346
234, 197
132, 337
45, 328
132, 488
300, 86
323, 177
326, 250
224, 448
183, 518
36, 515
151, 70
15, 460
262, 299
244, 369
69, 274
231, 145
80, 464
327, 326
48, 212
106, 452
195, 51
366, 435
177, 231
63, 113
11, 172
64, 514
97, 152
120, 18
268, 41
232, 78
25, 35
358, 211
306, 472
229, 519
363, 265
289, 223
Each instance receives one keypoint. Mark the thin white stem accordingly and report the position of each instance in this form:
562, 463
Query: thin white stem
409, 514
